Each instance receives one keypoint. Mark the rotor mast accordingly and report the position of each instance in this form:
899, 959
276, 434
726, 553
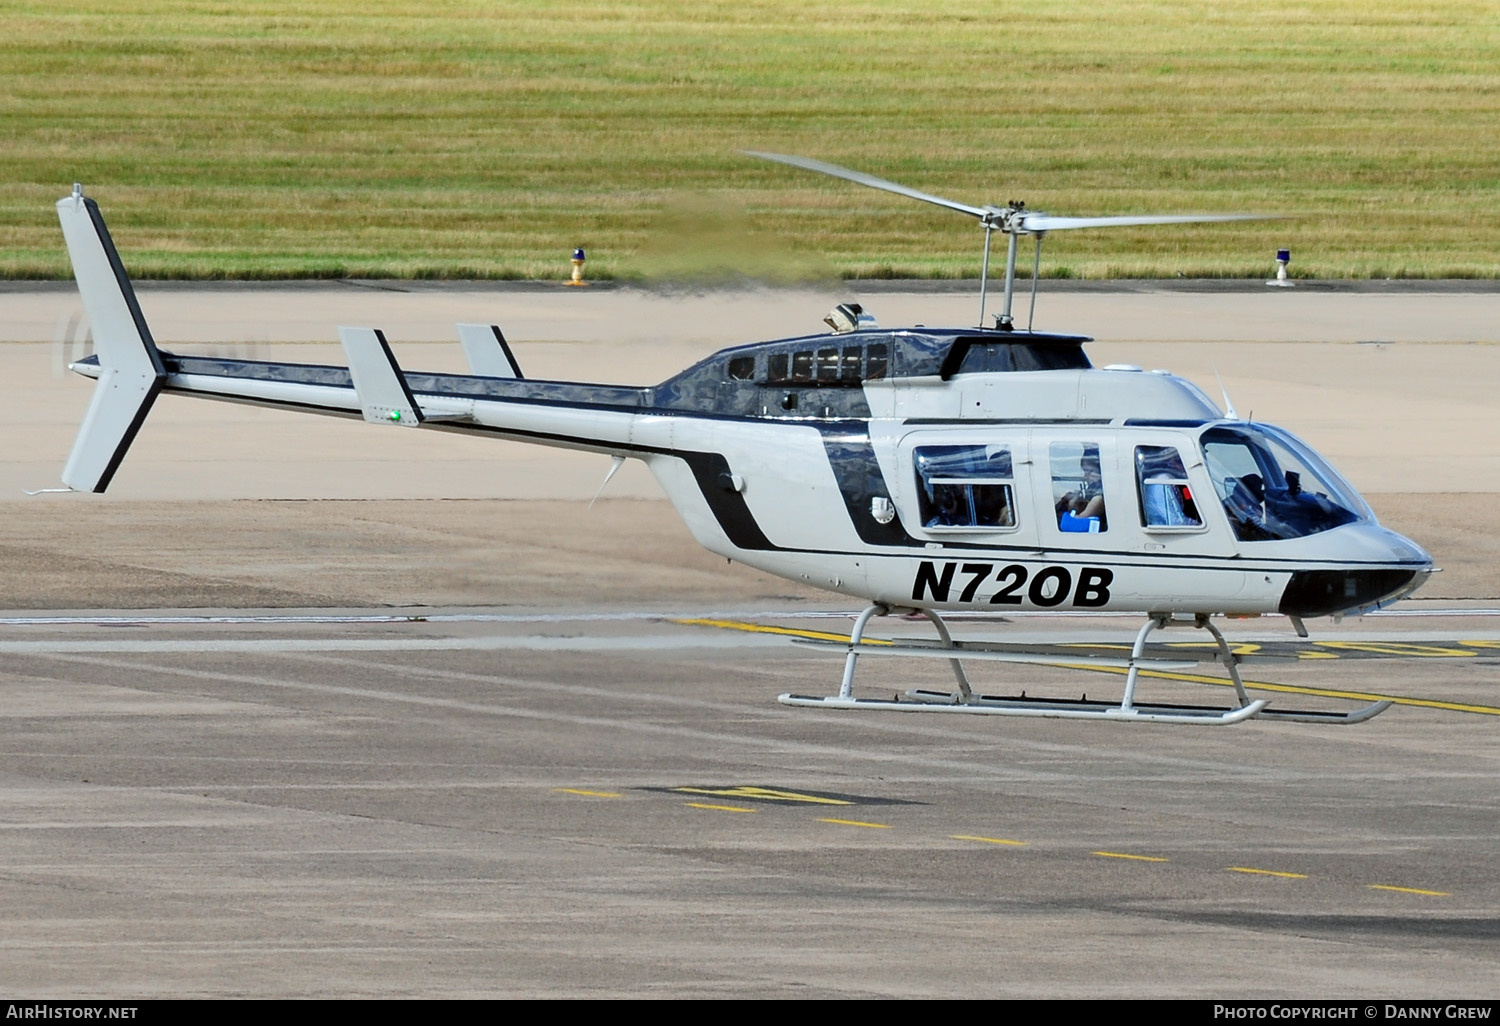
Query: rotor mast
1010, 219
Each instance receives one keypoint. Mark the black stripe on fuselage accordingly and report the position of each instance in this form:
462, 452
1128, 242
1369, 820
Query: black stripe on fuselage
851, 457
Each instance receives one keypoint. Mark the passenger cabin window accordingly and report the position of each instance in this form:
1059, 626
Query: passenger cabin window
776, 365
1078, 488
877, 361
1166, 498
802, 366
742, 368
964, 486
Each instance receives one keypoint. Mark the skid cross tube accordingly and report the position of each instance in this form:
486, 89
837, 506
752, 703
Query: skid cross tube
856, 637
1162, 620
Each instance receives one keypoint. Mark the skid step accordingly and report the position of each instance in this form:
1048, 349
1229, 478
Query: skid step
1359, 715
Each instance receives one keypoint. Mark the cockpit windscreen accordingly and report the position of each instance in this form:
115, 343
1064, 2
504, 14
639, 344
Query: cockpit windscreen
1274, 487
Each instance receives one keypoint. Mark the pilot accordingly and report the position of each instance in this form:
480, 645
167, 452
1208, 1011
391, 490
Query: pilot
1303, 512
1244, 501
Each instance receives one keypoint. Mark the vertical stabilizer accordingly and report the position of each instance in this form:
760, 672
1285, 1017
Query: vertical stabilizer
131, 373
384, 397
488, 353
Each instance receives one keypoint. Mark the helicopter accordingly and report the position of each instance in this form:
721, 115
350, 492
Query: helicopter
922, 470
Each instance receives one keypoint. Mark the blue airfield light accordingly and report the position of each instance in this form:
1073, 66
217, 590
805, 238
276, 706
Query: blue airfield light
1283, 257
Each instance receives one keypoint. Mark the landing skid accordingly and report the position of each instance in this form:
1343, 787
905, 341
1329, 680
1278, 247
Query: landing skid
964, 700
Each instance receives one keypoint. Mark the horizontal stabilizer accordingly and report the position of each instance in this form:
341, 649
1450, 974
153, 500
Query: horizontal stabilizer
131, 372
487, 353
384, 397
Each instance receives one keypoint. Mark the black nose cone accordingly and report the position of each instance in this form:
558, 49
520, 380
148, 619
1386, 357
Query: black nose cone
1323, 592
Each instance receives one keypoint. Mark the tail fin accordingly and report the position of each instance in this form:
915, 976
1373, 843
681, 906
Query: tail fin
487, 351
131, 373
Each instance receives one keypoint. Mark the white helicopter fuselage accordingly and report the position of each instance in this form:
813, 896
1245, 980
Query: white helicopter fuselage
786, 474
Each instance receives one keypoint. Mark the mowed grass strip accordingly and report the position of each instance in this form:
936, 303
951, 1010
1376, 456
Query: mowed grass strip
487, 138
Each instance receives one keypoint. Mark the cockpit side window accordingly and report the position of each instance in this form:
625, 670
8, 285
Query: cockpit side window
1269, 490
1166, 498
965, 486
1078, 488
742, 368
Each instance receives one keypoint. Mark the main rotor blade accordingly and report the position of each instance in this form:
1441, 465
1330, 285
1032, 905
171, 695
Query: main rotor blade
1048, 223
861, 178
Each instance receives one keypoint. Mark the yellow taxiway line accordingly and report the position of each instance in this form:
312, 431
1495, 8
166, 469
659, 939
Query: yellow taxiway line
760, 628
763, 794
718, 808
1133, 858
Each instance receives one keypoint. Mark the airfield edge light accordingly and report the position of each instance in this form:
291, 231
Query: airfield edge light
1283, 257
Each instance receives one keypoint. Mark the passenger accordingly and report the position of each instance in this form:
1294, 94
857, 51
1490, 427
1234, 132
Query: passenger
1074, 517
949, 511
990, 508
1168, 504
1093, 491
1166, 500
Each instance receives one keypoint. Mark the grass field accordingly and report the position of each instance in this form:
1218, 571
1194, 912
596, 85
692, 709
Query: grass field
488, 138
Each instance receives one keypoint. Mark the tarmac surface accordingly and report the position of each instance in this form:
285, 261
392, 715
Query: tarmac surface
300, 709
